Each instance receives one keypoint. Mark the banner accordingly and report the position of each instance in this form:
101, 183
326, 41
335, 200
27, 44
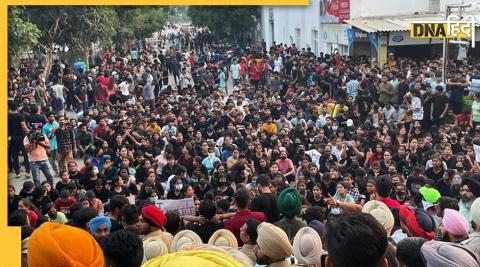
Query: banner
183, 206
372, 36
351, 36
334, 11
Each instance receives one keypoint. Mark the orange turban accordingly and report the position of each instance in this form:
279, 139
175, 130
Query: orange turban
58, 245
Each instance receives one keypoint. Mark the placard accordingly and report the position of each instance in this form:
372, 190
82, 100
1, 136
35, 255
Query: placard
183, 206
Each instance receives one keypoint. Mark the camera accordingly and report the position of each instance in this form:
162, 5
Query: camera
36, 136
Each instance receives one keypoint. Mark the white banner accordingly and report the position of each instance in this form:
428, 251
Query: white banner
183, 206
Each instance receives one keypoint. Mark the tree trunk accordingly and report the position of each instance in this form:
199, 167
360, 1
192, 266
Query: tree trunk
86, 52
48, 61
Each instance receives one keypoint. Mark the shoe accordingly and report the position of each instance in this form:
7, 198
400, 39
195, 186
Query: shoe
17, 175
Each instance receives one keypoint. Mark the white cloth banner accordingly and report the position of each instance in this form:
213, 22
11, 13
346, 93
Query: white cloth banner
477, 152
183, 206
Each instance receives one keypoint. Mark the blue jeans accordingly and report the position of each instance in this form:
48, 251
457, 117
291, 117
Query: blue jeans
45, 167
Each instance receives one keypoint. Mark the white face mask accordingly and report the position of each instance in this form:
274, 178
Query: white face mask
211, 155
179, 187
153, 199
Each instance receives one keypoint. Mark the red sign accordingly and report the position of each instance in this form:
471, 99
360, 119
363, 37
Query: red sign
334, 11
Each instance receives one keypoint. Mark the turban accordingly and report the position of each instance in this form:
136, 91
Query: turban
289, 202
446, 254
381, 213
153, 247
99, 220
194, 258
473, 186
184, 237
307, 246
455, 223
431, 195
418, 222
154, 216
273, 241
475, 211
235, 253
59, 245
223, 237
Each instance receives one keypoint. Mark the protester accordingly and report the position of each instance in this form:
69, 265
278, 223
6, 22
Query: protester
243, 136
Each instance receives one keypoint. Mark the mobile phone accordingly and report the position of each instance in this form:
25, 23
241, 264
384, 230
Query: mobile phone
254, 183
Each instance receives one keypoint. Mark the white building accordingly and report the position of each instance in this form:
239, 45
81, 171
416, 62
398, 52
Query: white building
386, 22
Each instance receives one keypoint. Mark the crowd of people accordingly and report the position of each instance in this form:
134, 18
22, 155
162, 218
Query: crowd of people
289, 158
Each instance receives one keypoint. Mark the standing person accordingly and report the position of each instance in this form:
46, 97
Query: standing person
235, 70
48, 131
265, 201
439, 106
37, 147
385, 91
66, 143
58, 91
17, 129
242, 201
456, 86
475, 117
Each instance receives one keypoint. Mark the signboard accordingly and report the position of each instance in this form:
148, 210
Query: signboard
183, 206
403, 38
334, 11
454, 27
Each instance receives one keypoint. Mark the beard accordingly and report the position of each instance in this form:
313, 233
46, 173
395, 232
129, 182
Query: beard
467, 202
263, 260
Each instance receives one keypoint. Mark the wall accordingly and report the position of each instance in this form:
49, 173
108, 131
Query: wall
374, 8
287, 20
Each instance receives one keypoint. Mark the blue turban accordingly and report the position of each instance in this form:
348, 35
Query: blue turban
99, 220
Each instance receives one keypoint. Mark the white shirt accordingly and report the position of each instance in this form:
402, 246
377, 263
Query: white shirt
235, 69
58, 91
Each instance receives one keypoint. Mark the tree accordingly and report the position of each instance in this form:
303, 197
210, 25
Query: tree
22, 35
139, 22
224, 21
52, 23
90, 25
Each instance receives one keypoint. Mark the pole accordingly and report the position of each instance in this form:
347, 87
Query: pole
445, 49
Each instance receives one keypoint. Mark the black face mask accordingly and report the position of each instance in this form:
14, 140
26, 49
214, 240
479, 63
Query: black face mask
222, 183
400, 193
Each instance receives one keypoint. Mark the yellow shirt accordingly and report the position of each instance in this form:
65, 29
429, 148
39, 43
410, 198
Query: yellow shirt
154, 129
337, 108
270, 128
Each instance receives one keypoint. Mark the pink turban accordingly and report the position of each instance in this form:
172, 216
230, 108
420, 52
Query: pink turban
455, 223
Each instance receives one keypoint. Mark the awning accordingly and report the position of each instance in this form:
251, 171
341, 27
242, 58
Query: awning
390, 24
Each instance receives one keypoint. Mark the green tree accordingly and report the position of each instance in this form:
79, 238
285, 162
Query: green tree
225, 21
52, 23
139, 22
22, 35
88, 25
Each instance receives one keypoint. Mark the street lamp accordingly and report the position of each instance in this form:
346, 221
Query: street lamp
445, 42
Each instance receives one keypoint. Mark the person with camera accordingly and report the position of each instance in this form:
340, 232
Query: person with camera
37, 147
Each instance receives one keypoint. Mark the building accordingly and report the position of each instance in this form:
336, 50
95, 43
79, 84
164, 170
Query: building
372, 28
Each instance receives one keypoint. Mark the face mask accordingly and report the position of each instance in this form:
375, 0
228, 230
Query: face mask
334, 127
283, 157
95, 170
179, 187
400, 193
211, 155
194, 180
153, 199
222, 183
